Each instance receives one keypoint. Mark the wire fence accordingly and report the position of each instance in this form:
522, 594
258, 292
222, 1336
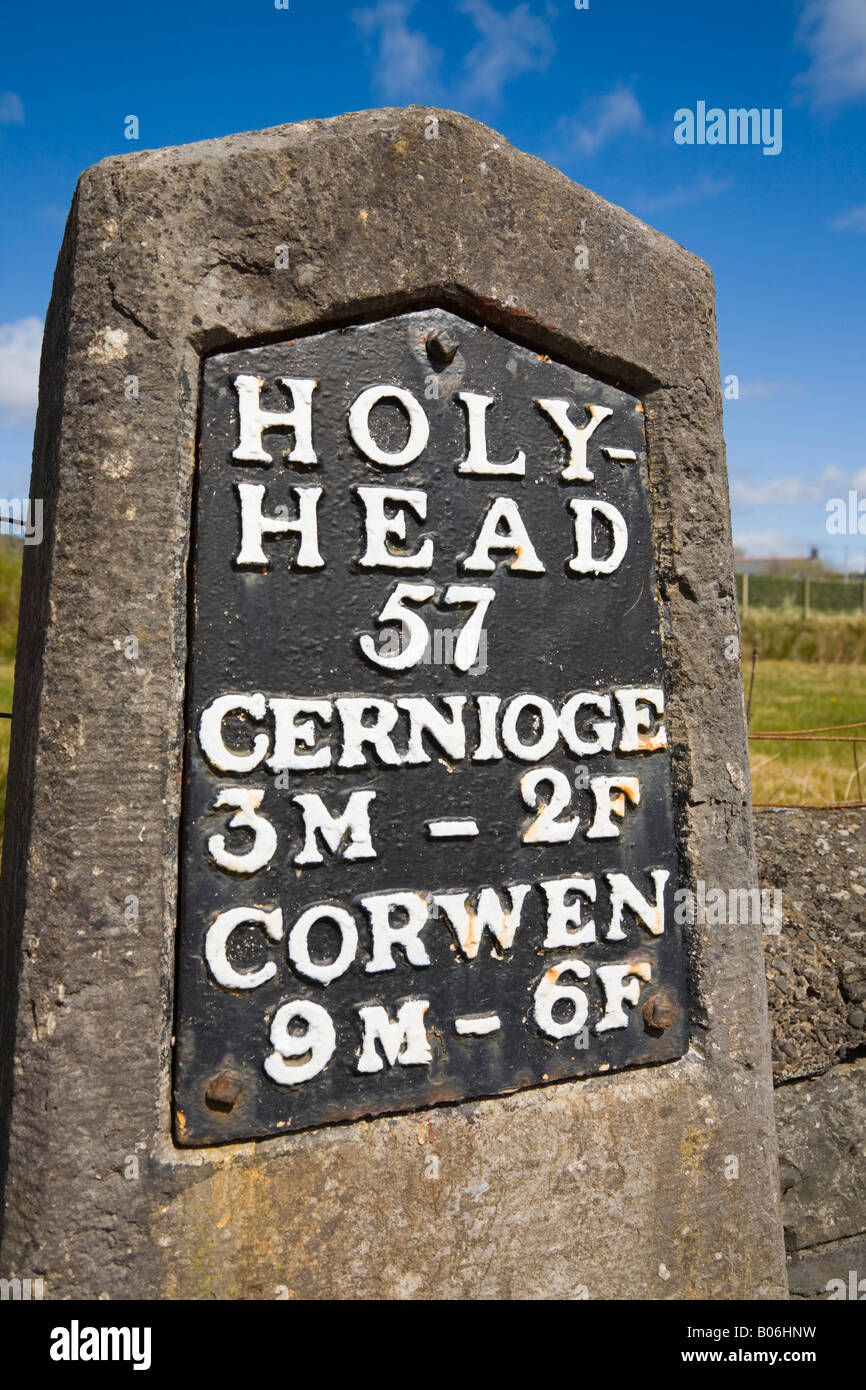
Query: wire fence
827, 733
807, 596
830, 734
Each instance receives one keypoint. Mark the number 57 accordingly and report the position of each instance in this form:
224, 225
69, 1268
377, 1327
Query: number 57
415, 629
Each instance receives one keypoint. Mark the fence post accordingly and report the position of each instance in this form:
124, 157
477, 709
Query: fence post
806, 583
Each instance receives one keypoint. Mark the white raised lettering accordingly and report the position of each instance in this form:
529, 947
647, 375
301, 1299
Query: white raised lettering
608, 805
356, 733
547, 828
544, 716
359, 426
386, 935
288, 734
605, 731
503, 511
636, 722
403, 1040
564, 925
247, 800
255, 526
211, 739
216, 942
354, 823
414, 628
319, 1040
379, 527
584, 561
624, 893
425, 718
617, 992
476, 460
576, 437
488, 749
550, 992
469, 924
253, 420
299, 943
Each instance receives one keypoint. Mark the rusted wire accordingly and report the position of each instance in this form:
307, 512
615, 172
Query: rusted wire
812, 738
824, 729
809, 805
828, 733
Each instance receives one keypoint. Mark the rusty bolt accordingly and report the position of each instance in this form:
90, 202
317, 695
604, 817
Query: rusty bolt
441, 349
223, 1090
658, 1013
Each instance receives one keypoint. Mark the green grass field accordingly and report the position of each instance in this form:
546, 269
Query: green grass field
806, 695
784, 635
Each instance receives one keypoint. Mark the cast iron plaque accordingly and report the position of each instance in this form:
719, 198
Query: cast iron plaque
427, 846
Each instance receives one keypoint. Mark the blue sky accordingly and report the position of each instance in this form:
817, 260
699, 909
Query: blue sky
592, 90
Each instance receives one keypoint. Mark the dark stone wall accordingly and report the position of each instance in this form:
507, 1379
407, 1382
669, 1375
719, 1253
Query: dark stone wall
816, 965
816, 984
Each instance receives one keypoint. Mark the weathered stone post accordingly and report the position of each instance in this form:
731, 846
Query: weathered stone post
377, 712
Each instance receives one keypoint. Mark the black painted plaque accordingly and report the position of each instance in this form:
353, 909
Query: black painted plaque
428, 849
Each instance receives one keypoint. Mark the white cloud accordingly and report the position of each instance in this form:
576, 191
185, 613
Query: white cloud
808, 498
20, 344
792, 491
407, 64
510, 45
834, 33
832, 474
601, 120
785, 492
11, 109
852, 220
682, 196
770, 541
